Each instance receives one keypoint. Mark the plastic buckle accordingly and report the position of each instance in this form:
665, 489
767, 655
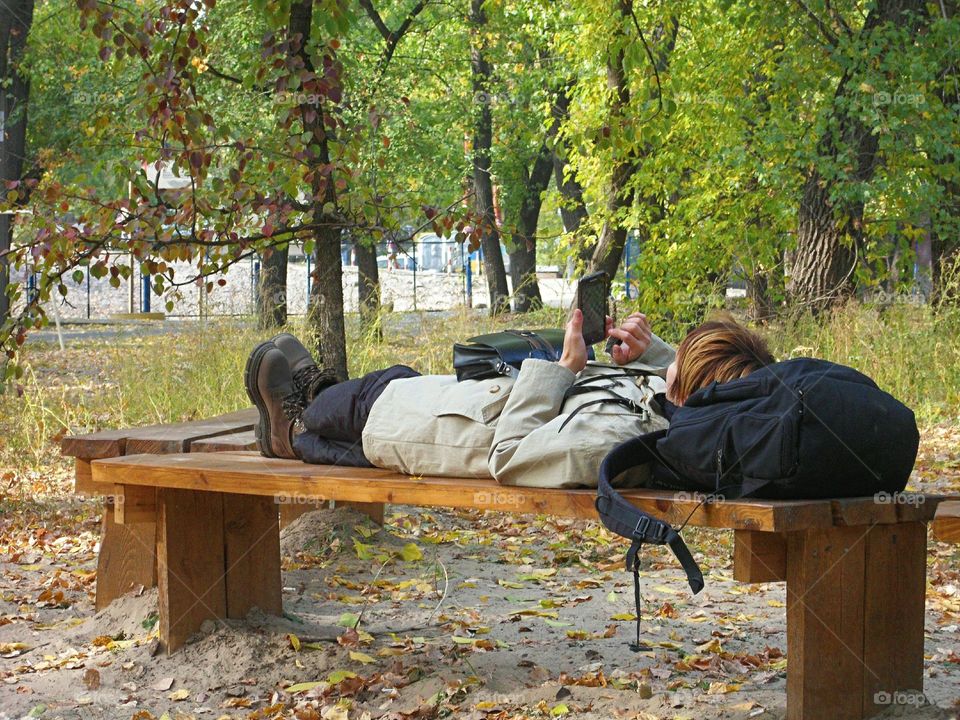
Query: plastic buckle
640, 531
659, 531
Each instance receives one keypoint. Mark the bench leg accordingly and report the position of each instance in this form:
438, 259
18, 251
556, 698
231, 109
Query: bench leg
127, 558
374, 511
855, 598
251, 539
896, 581
291, 511
190, 563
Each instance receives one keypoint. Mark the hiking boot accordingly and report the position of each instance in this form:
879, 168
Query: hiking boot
269, 386
309, 380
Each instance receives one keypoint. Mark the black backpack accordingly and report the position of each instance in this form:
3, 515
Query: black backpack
799, 429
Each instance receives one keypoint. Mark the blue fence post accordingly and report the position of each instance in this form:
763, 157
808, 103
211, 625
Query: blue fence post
144, 291
255, 283
630, 254
308, 280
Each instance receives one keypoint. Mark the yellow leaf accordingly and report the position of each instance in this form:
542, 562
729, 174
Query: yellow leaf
558, 710
361, 657
304, 686
623, 616
294, 641
411, 552
774, 603
364, 552
181, 694
6, 648
339, 676
666, 590
722, 688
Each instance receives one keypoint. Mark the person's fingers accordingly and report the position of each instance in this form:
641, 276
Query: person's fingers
638, 330
619, 354
608, 324
631, 341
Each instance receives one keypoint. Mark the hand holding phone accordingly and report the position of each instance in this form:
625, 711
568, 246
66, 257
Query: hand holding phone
592, 294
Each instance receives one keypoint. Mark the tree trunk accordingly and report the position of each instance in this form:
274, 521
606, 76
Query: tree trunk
482, 182
272, 293
16, 17
326, 309
829, 237
573, 209
523, 256
368, 286
758, 293
613, 236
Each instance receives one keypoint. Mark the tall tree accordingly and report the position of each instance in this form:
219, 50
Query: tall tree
318, 122
628, 159
523, 255
481, 82
272, 289
16, 18
830, 218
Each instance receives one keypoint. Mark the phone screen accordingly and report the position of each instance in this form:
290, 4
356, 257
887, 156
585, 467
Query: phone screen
592, 294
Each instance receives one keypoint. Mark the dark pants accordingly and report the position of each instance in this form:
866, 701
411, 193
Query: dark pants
335, 419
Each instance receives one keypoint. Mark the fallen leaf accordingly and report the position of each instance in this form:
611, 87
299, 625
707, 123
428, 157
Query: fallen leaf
361, 657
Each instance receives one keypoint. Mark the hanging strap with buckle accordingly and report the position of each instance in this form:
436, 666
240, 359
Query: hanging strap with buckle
641, 528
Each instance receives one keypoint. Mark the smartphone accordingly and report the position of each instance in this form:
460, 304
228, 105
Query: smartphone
592, 293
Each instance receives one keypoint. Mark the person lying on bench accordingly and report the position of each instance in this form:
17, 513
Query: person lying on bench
549, 427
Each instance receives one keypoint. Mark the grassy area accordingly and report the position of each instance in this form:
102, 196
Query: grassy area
196, 370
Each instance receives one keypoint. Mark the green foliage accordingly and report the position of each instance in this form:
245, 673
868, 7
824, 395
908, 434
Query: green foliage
722, 112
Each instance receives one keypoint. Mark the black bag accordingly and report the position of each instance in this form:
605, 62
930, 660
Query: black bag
802, 428
500, 354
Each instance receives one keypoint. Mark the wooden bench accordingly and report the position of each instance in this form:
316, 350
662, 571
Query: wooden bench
191, 509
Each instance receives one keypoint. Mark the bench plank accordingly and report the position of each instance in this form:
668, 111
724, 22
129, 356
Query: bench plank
251, 474
232, 442
175, 437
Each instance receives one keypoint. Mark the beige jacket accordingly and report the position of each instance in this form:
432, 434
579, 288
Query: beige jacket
510, 429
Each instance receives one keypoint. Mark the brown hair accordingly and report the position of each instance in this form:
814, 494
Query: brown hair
719, 350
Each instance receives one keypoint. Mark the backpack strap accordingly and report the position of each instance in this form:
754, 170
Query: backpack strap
640, 527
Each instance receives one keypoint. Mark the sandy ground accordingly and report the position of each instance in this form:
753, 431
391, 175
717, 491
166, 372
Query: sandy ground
461, 614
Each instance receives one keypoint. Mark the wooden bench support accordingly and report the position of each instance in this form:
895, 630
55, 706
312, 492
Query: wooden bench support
855, 603
759, 557
135, 504
251, 539
218, 556
946, 524
372, 510
291, 511
127, 558
190, 563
